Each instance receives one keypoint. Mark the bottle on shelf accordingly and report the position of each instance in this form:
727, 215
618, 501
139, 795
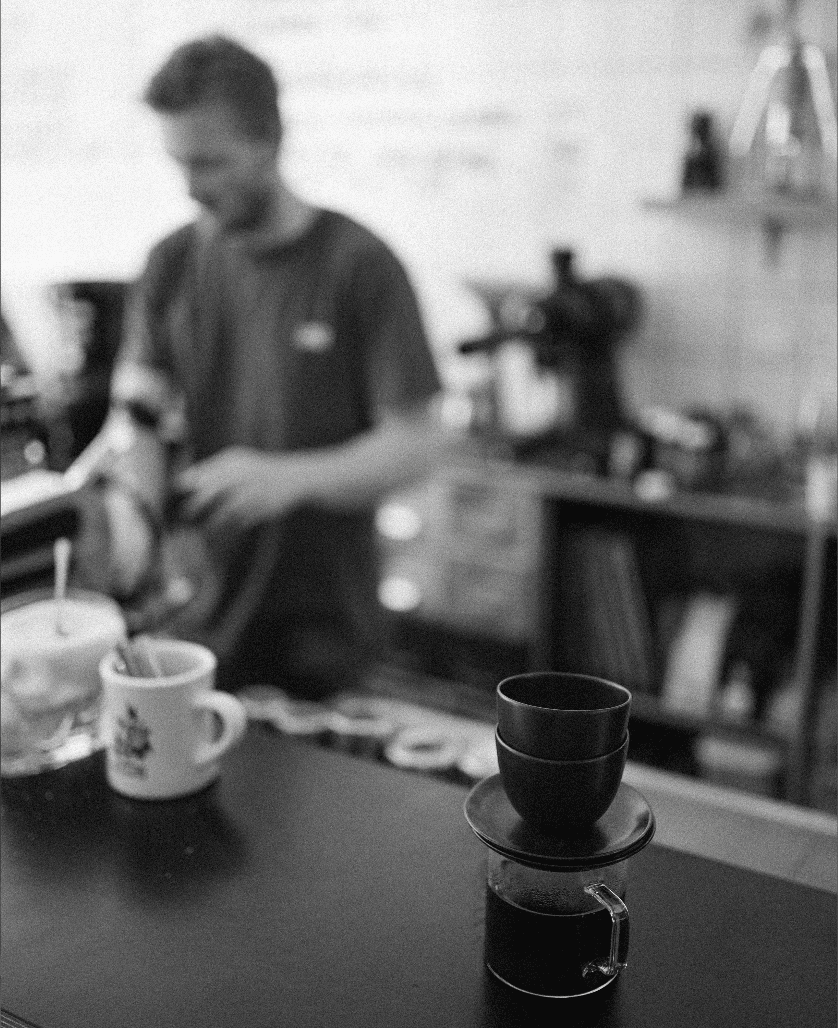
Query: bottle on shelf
702, 170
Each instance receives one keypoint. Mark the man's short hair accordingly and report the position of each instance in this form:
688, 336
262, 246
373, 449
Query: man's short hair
217, 69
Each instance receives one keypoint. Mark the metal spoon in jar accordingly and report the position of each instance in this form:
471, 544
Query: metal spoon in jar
61, 553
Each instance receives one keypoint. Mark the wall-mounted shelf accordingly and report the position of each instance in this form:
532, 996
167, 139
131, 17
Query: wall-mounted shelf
731, 208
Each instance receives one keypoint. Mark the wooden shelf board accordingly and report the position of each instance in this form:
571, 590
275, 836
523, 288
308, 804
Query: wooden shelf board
734, 208
736, 511
651, 711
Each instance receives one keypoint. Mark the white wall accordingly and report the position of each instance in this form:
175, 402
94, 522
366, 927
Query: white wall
473, 134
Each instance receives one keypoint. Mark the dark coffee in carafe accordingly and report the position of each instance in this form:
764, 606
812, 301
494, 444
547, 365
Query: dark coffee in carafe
548, 953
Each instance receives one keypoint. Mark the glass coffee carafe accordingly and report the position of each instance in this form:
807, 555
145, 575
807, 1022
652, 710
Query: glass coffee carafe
557, 924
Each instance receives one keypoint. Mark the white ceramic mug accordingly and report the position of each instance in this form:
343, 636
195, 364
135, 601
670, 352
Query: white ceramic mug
159, 732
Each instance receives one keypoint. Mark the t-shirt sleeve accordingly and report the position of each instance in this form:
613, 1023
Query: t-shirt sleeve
399, 368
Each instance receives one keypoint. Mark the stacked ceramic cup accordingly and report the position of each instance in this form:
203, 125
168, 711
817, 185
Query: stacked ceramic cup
562, 741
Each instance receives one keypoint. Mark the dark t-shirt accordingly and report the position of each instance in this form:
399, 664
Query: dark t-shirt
303, 345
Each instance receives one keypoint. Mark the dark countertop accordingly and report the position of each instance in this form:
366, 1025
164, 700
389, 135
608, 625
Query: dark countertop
310, 887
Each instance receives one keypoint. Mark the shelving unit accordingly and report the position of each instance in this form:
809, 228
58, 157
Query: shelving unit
699, 540
746, 538
775, 214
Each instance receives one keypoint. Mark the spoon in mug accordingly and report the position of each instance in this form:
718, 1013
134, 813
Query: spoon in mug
61, 553
137, 659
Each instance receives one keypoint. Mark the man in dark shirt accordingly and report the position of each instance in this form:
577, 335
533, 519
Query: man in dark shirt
290, 341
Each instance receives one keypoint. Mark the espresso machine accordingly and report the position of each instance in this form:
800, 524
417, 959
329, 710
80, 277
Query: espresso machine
554, 381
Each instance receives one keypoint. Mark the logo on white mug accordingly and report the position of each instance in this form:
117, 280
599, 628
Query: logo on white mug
132, 743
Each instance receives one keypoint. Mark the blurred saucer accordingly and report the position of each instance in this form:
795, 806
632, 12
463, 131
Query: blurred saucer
480, 760
270, 704
423, 749
361, 717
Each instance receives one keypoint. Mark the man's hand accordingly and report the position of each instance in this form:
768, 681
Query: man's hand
239, 488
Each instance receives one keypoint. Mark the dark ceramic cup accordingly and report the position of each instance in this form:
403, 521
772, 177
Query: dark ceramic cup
559, 716
560, 796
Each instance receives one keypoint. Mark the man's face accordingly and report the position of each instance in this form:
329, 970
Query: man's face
230, 174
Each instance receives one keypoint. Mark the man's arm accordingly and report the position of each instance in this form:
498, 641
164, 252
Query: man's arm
241, 487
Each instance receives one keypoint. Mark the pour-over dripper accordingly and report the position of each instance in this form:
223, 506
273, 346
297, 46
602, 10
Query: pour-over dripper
556, 920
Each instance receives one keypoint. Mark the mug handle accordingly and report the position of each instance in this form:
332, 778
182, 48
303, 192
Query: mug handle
233, 719
619, 930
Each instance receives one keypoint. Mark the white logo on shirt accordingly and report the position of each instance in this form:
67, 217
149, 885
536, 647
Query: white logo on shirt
314, 336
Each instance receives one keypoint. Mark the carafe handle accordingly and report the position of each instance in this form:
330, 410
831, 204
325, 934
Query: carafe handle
619, 930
